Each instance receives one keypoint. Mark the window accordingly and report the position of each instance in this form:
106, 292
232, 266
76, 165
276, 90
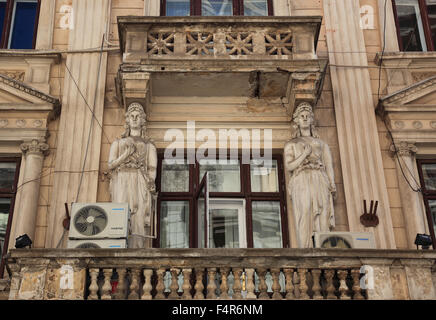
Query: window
216, 7
245, 205
18, 23
427, 175
416, 24
9, 168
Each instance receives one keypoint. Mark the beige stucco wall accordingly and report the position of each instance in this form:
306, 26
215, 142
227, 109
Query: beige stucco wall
113, 118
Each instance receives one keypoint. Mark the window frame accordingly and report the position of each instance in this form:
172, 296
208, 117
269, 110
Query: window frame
195, 184
427, 195
238, 7
425, 25
10, 194
9, 18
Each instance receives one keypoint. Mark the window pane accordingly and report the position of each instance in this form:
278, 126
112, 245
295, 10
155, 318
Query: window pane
431, 9
429, 173
23, 25
178, 8
223, 228
411, 30
255, 7
223, 177
174, 224
5, 205
7, 175
264, 179
267, 226
175, 177
432, 205
217, 7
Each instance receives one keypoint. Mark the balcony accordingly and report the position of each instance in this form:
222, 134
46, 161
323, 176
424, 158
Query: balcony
271, 274
253, 57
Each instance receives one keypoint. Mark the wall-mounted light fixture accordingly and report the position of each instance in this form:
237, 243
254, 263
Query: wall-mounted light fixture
423, 240
23, 241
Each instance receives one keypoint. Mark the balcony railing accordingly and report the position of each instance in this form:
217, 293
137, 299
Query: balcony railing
218, 38
220, 274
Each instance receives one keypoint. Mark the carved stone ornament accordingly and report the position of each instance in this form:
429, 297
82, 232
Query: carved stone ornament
132, 164
311, 186
35, 147
404, 148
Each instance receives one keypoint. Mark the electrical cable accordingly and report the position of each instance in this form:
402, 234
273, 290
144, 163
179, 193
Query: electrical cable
92, 122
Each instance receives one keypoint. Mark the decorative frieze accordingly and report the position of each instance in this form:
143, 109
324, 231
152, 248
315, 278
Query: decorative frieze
14, 74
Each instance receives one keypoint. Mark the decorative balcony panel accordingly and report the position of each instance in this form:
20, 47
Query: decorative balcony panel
254, 57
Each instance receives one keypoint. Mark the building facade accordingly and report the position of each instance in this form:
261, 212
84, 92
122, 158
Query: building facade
200, 68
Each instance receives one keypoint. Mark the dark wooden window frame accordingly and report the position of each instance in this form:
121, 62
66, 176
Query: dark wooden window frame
195, 185
8, 22
425, 24
427, 195
10, 194
238, 7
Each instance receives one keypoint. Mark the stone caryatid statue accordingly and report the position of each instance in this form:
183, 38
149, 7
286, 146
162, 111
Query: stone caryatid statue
132, 165
311, 186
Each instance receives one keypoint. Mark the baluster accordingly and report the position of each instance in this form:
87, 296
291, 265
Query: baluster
289, 274
211, 285
276, 285
316, 275
147, 285
224, 287
263, 294
174, 286
120, 293
186, 284
160, 286
199, 286
134, 284
357, 295
329, 274
237, 283
250, 284
107, 288
303, 285
343, 288
93, 287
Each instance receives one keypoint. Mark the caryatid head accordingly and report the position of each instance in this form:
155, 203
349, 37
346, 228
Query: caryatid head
303, 118
136, 119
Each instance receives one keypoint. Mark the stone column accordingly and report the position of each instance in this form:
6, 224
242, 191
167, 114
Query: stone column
47, 16
33, 153
411, 201
152, 8
77, 118
386, 13
359, 146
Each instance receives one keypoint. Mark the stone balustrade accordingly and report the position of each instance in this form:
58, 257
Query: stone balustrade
199, 274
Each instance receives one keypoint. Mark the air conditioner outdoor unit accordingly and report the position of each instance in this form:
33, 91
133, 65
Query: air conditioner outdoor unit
97, 244
352, 240
99, 221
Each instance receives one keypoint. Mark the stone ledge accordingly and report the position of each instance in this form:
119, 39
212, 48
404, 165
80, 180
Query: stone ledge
214, 253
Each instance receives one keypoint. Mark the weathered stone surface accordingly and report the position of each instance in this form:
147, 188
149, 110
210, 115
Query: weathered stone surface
32, 283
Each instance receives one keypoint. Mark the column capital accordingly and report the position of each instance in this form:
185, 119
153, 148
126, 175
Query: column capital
404, 148
35, 147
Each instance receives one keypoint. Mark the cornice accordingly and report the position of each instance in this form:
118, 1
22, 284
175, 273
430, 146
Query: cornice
29, 90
